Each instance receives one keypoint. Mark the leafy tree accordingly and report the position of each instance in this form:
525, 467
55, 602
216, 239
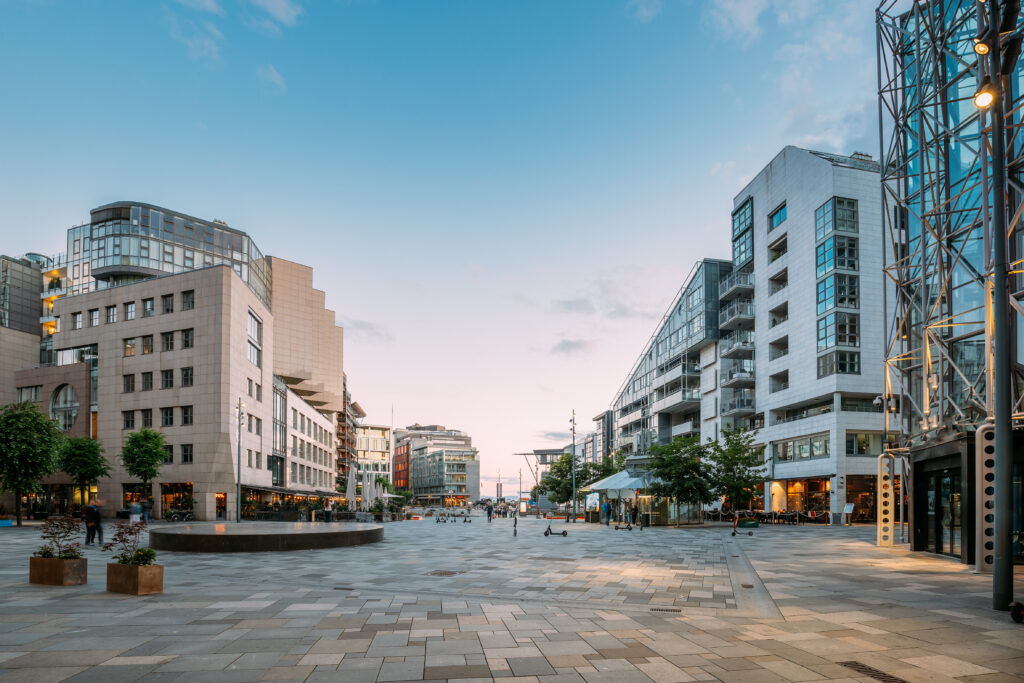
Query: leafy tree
737, 466
30, 446
557, 481
681, 471
142, 456
82, 459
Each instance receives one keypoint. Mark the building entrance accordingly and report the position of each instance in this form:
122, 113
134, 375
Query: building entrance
943, 520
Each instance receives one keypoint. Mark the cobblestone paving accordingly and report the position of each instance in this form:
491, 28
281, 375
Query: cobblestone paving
788, 604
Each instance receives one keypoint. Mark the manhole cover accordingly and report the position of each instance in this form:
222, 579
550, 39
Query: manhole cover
666, 609
872, 672
443, 572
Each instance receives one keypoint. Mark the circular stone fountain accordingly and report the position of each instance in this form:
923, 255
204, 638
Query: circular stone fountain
254, 537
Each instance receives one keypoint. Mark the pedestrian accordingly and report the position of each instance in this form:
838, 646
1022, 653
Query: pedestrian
328, 510
637, 517
134, 512
490, 512
606, 508
146, 506
93, 522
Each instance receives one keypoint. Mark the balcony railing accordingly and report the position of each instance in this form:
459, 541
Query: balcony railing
738, 405
741, 340
776, 286
735, 310
737, 279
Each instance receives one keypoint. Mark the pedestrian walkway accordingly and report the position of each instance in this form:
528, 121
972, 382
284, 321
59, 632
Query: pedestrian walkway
473, 602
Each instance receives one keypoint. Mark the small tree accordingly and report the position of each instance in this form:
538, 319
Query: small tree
737, 467
142, 455
82, 459
557, 481
681, 472
30, 446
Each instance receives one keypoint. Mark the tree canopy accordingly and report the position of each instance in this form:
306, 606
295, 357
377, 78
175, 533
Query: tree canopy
737, 466
30, 444
142, 456
681, 471
82, 459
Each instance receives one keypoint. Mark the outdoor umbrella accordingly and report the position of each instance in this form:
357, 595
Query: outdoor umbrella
350, 490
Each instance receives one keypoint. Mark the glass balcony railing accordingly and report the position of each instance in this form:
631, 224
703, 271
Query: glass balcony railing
740, 278
737, 341
743, 308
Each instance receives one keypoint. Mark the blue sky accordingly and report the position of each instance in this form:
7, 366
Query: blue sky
499, 197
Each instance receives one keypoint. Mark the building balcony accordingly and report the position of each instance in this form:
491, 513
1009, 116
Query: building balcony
738, 344
683, 398
740, 404
687, 428
737, 283
738, 314
738, 377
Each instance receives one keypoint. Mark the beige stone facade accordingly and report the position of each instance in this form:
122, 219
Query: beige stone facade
373, 450
311, 461
18, 351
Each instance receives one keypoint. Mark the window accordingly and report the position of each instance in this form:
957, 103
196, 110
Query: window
111, 314
836, 252
839, 362
838, 329
838, 291
248, 457
259, 393
129, 347
743, 218
188, 300
167, 379
167, 303
147, 344
94, 317
743, 249
836, 214
167, 341
186, 454
167, 417
147, 381
186, 415
259, 460
186, 377
147, 417
129, 310
30, 394
776, 218
865, 444
128, 418
188, 338
801, 449
255, 329
255, 355
168, 454
249, 391
76, 321
147, 308
128, 383
295, 419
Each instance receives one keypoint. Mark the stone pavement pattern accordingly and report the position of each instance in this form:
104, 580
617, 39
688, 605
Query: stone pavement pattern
788, 604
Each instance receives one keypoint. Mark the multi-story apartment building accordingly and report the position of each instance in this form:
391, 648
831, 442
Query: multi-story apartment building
373, 451
604, 434
733, 350
400, 467
347, 421
160, 338
21, 287
444, 468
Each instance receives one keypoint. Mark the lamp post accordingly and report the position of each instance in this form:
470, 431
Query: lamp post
238, 483
573, 423
990, 95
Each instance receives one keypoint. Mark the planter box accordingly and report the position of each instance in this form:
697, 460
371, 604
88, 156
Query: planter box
52, 571
135, 580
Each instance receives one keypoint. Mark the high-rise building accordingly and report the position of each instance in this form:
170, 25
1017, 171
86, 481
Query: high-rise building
373, 451
444, 468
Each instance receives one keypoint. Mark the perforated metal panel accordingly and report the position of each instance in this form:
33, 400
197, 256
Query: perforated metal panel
886, 499
984, 512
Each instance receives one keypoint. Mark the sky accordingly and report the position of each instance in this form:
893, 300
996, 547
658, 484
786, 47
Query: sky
499, 198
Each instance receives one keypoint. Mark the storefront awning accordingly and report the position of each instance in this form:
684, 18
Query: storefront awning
621, 482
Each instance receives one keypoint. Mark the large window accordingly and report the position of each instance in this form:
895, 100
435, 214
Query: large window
838, 290
743, 234
776, 218
188, 300
838, 214
64, 406
866, 444
836, 252
839, 362
255, 340
838, 329
803, 448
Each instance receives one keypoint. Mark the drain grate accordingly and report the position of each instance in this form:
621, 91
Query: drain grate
666, 609
872, 672
343, 588
443, 572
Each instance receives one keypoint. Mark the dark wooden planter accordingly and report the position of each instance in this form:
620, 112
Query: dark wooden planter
52, 571
135, 580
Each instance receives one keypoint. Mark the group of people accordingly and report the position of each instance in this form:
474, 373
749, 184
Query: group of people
630, 513
503, 510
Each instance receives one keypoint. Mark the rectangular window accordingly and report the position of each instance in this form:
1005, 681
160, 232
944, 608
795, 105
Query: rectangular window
76, 321
128, 418
249, 389
128, 382
129, 310
259, 393
147, 381
167, 379
188, 300
186, 415
743, 249
94, 317
838, 214
111, 314
129, 347
776, 218
147, 344
248, 457
186, 377
838, 329
186, 454
167, 417
255, 329
743, 218
838, 291
167, 303
168, 454
255, 355
147, 417
147, 308
167, 341
259, 460
839, 362
188, 338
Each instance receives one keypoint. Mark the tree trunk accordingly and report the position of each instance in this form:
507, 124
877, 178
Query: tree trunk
17, 505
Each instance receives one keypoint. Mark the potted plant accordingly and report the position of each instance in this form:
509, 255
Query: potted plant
59, 561
134, 572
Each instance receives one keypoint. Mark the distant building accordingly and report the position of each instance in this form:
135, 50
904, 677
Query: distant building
444, 468
373, 451
400, 467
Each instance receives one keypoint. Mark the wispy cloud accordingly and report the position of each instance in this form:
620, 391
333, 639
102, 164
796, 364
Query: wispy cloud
276, 13
268, 74
364, 329
644, 10
581, 306
211, 6
739, 18
554, 436
572, 347
201, 39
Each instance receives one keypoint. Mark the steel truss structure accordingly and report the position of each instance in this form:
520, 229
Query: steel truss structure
936, 203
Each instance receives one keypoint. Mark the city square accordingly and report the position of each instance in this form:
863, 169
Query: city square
472, 601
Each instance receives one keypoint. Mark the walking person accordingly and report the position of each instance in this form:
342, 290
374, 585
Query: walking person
328, 510
93, 522
490, 512
606, 509
134, 513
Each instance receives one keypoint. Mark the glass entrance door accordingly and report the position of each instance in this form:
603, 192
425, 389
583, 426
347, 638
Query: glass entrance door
943, 514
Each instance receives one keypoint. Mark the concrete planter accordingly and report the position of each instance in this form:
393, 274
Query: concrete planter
135, 580
53, 571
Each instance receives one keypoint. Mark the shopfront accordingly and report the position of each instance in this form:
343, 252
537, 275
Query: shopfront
808, 495
176, 497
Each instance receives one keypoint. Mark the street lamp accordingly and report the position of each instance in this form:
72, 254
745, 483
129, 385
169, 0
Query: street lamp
573, 423
986, 94
238, 483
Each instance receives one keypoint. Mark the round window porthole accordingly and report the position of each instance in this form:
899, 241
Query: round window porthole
64, 406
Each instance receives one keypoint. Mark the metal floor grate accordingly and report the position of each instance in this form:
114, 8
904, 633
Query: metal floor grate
872, 672
443, 572
666, 609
